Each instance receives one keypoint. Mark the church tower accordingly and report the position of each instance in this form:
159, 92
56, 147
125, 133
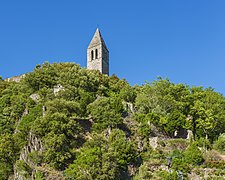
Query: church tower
98, 54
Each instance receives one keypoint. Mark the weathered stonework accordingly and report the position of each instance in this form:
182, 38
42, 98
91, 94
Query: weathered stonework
98, 54
57, 88
35, 97
15, 78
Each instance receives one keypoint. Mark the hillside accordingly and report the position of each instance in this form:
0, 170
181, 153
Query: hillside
65, 122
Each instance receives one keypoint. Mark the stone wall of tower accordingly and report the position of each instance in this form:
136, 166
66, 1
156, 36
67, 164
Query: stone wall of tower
93, 62
105, 61
97, 54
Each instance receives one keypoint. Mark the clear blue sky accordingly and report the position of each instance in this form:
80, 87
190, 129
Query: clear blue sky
177, 39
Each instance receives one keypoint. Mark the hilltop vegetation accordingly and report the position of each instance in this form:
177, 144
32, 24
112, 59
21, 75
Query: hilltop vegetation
65, 122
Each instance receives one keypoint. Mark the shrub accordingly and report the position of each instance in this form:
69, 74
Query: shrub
193, 155
220, 143
39, 175
178, 162
180, 144
202, 142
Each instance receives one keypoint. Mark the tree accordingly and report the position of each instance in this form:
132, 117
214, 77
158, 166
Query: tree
103, 113
219, 144
122, 149
207, 110
8, 155
94, 162
127, 93
168, 101
44, 76
59, 131
3, 85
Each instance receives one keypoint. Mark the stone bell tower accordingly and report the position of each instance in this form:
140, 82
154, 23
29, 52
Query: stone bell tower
98, 54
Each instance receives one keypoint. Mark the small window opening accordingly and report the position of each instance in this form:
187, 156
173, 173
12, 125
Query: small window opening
92, 55
96, 54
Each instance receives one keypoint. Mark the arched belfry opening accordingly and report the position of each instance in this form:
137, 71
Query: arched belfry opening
92, 55
98, 54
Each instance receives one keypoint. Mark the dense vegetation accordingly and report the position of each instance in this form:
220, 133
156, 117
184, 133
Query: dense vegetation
100, 127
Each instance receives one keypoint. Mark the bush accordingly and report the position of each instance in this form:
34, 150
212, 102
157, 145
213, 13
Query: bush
178, 162
202, 142
220, 143
39, 175
180, 144
167, 176
144, 130
22, 167
193, 155
35, 157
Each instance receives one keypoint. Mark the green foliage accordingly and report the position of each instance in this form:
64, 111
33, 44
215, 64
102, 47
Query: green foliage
179, 163
26, 121
94, 162
69, 108
143, 173
215, 164
103, 113
8, 155
144, 129
168, 175
123, 150
145, 120
173, 103
35, 157
57, 130
42, 76
183, 160
207, 111
219, 144
85, 99
193, 155
39, 175
128, 94
57, 154
5, 170
21, 166
103, 159
65, 124
24, 169
3, 86
178, 144
167, 100
204, 143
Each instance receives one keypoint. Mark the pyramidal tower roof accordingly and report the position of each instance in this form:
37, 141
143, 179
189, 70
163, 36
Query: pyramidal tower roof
97, 39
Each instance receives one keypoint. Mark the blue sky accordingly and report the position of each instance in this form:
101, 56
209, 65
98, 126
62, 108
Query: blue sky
177, 39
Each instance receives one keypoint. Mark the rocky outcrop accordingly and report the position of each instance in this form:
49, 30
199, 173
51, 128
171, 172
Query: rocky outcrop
34, 145
15, 78
35, 97
58, 88
153, 142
